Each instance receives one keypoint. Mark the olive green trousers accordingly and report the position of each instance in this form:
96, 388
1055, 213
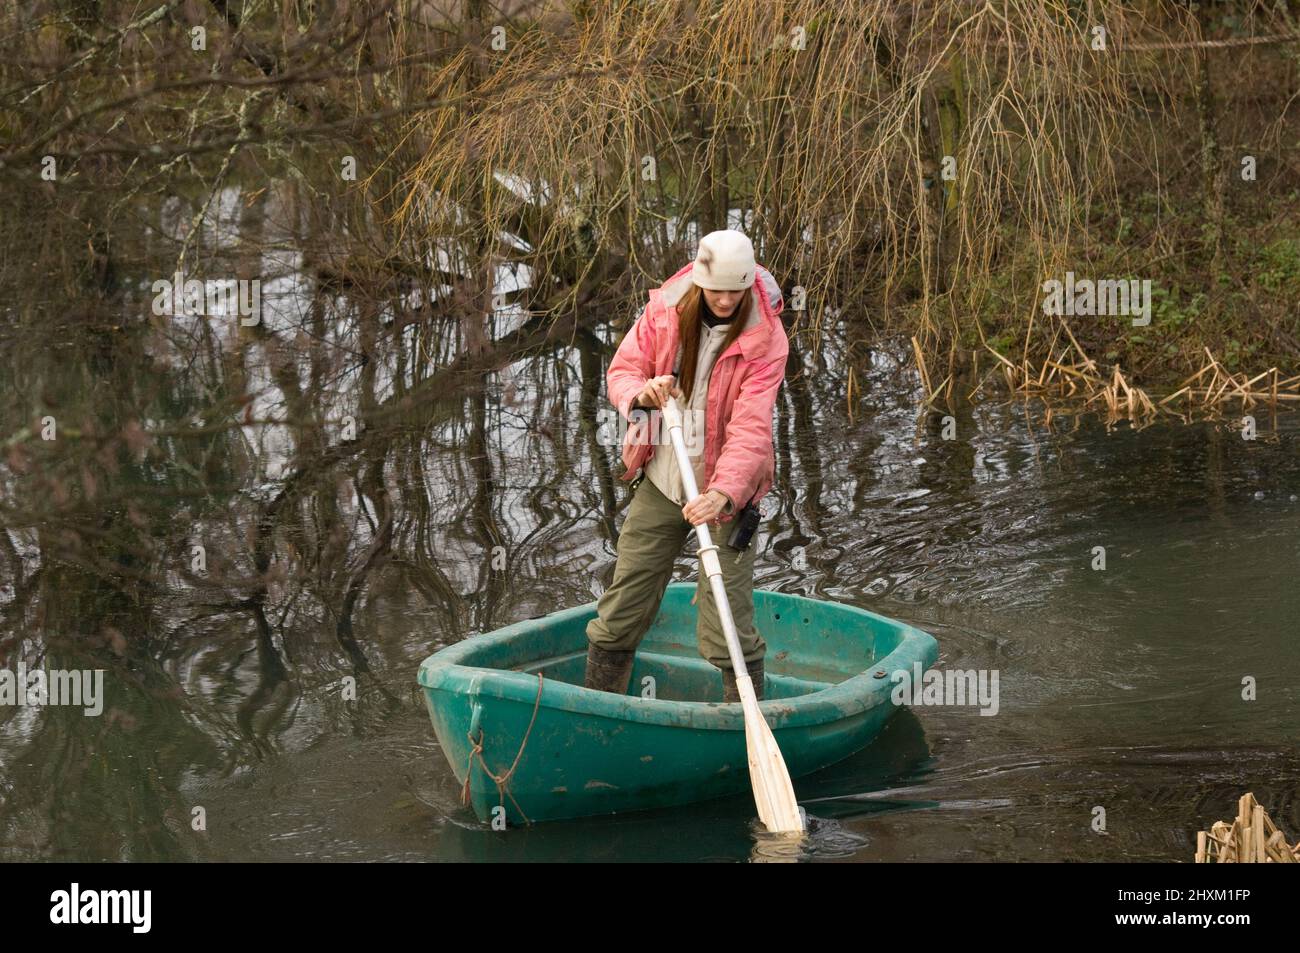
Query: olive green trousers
651, 539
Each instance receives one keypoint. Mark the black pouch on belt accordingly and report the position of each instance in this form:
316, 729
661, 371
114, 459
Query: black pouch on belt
745, 525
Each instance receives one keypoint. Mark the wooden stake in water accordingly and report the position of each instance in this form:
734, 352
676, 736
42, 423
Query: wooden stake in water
1252, 838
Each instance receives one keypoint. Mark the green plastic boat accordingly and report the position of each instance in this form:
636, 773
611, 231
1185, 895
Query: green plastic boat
557, 750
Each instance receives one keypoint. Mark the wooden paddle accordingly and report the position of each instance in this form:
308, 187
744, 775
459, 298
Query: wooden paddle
773, 792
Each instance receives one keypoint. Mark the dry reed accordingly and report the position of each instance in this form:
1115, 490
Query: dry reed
1071, 373
1252, 838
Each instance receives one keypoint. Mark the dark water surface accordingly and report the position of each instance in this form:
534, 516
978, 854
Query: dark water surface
1120, 689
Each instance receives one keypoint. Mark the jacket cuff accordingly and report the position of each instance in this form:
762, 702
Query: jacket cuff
629, 404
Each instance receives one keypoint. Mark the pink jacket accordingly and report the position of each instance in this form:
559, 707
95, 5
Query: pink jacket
738, 457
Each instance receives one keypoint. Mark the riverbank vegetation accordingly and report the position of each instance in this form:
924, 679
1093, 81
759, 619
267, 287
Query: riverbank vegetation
915, 170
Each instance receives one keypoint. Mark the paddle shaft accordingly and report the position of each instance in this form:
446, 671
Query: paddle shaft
708, 551
773, 792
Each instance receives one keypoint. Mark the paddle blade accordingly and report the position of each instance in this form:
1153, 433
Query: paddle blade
773, 792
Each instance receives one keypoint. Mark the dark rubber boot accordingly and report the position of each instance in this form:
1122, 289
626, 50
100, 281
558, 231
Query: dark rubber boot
608, 671
730, 693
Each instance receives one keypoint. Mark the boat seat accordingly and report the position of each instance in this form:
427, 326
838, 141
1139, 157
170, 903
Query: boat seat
676, 677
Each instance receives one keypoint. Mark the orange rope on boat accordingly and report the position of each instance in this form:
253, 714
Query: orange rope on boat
502, 782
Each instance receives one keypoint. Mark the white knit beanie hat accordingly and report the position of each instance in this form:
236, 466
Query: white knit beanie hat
724, 262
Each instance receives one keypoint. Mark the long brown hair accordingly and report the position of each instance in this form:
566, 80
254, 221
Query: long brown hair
689, 310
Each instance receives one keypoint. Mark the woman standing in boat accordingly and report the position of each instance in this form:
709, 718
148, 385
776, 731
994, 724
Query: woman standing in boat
712, 337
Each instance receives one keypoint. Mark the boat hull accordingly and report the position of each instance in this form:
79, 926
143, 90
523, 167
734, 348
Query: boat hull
556, 750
